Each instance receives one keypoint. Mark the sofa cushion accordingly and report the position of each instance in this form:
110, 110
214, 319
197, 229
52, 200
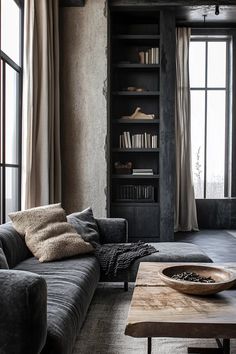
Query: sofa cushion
13, 245
3, 260
85, 224
71, 284
48, 234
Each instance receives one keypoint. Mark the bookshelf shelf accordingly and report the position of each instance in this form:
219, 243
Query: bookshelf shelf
135, 176
136, 37
146, 150
135, 93
135, 204
136, 66
136, 121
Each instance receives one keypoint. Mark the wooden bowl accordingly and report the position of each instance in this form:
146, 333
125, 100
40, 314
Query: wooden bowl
224, 279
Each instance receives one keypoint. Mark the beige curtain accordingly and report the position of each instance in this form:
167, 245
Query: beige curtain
185, 207
41, 165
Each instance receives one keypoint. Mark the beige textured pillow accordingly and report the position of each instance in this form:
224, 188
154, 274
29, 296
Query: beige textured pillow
47, 233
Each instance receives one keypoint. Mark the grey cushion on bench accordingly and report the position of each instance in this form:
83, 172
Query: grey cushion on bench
171, 252
168, 252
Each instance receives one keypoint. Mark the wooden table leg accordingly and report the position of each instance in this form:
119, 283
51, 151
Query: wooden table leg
149, 345
223, 348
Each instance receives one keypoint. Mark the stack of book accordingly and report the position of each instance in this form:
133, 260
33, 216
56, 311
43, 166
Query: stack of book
135, 192
137, 141
151, 56
142, 171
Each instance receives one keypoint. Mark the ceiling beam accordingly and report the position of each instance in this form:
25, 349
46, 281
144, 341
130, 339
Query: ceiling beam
170, 2
73, 3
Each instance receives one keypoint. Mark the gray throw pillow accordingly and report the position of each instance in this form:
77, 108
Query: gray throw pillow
85, 224
3, 260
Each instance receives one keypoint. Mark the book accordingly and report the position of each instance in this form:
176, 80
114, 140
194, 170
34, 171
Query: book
142, 171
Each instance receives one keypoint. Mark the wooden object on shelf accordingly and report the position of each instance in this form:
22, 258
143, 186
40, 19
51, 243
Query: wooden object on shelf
123, 168
139, 115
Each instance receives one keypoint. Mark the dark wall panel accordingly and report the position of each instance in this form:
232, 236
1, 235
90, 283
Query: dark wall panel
216, 213
167, 127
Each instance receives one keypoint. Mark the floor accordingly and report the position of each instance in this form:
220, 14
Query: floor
220, 245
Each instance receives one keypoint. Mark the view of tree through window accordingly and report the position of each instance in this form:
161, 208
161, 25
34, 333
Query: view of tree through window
11, 73
209, 116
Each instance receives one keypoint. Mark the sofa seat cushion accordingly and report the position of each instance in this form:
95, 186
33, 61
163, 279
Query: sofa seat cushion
167, 252
70, 286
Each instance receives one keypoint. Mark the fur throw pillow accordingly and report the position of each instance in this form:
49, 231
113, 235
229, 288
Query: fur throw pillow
47, 233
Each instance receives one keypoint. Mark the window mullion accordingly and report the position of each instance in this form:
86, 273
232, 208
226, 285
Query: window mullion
205, 142
227, 189
3, 142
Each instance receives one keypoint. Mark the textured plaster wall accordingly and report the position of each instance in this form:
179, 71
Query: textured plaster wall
83, 106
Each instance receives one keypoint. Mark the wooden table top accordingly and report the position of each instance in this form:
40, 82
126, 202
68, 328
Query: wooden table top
156, 310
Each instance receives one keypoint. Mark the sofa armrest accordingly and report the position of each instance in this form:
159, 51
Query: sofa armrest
113, 230
23, 312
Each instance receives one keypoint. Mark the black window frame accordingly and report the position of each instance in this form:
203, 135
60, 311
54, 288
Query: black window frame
228, 36
4, 61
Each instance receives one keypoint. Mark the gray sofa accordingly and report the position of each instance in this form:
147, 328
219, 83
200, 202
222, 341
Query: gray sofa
43, 305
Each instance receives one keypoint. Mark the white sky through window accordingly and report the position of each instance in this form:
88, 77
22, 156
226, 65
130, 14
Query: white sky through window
208, 116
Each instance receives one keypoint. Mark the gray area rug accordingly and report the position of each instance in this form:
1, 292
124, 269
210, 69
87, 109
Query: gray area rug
103, 330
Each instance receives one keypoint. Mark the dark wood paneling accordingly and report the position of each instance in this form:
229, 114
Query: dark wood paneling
216, 213
167, 127
143, 221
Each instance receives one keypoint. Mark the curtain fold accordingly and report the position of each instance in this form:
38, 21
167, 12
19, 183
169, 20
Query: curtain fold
41, 157
185, 205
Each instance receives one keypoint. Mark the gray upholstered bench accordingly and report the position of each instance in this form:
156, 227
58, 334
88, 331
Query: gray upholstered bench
115, 230
167, 252
171, 252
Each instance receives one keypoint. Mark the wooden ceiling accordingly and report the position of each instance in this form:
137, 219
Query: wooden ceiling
195, 14
187, 11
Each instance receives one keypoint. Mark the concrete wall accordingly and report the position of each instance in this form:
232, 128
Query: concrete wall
83, 106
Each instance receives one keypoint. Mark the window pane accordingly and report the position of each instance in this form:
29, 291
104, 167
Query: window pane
216, 64
10, 29
197, 136
215, 144
1, 113
197, 64
12, 191
11, 130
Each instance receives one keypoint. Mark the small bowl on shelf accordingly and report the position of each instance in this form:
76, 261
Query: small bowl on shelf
223, 279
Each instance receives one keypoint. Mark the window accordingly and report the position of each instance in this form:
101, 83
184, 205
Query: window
209, 64
10, 117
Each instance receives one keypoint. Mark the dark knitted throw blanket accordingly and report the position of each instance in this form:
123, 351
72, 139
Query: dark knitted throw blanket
114, 258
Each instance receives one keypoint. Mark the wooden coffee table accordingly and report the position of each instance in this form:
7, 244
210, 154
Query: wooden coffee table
157, 310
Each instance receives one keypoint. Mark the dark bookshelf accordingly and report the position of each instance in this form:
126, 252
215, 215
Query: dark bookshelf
136, 66
135, 176
137, 37
132, 32
146, 150
136, 121
135, 93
